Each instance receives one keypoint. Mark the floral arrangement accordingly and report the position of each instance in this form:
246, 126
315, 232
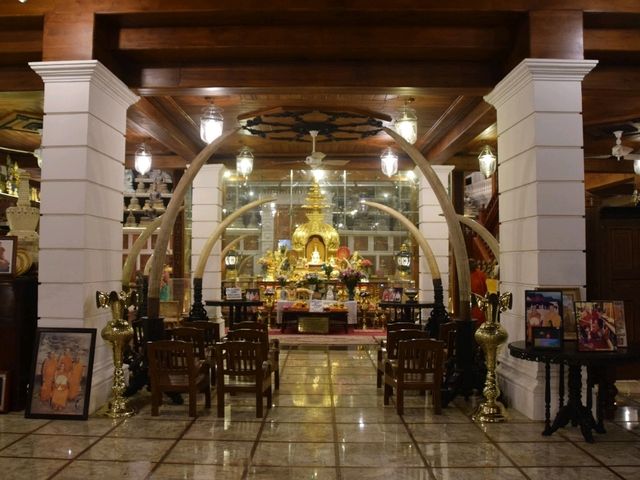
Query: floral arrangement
327, 268
282, 280
311, 278
350, 276
366, 263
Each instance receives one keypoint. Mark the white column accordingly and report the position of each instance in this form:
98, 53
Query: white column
433, 226
206, 215
83, 144
541, 187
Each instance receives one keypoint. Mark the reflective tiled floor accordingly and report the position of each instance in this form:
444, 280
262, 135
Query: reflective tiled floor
328, 422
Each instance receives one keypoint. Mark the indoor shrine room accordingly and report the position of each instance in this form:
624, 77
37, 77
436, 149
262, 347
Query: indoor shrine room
325, 240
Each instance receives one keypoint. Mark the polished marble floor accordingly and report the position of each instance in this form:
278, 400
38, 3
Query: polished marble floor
328, 422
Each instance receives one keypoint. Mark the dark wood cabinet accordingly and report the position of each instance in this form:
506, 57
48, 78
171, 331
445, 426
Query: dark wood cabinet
18, 322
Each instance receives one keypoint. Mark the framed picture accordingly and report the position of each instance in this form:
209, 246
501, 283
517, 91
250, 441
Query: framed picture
547, 337
8, 250
543, 309
620, 323
595, 327
4, 391
60, 381
252, 294
569, 296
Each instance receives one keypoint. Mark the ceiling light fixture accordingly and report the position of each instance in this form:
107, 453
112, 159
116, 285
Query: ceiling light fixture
406, 123
142, 159
244, 162
389, 162
211, 123
487, 161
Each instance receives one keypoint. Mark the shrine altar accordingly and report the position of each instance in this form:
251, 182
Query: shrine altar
351, 306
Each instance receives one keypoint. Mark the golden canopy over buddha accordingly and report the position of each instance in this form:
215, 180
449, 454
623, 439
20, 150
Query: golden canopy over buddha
315, 240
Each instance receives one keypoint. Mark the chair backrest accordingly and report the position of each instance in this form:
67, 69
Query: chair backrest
394, 326
211, 331
239, 358
169, 359
249, 326
248, 335
420, 355
394, 337
192, 335
447, 334
138, 335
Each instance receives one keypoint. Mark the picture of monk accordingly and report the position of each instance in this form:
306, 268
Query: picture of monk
60, 390
49, 367
62, 373
75, 379
66, 361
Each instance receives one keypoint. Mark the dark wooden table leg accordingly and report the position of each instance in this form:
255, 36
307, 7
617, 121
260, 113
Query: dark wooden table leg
547, 399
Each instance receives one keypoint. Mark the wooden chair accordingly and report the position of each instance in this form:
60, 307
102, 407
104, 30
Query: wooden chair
241, 367
418, 367
192, 335
173, 367
138, 336
251, 325
390, 348
260, 336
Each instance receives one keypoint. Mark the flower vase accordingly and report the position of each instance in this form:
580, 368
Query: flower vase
283, 294
351, 290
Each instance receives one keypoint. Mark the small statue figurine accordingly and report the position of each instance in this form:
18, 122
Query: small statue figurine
315, 257
330, 295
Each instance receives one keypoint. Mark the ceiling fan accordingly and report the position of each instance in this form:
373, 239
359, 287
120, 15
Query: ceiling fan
620, 151
316, 159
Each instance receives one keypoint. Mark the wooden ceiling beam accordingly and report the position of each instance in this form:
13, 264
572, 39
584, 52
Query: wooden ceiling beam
461, 77
311, 37
163, 162
612, 40
151, 120
478, 120
608, 165
599, 181
19, 79
612, 78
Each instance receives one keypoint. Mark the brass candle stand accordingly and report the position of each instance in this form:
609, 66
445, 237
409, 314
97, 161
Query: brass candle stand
490, 335
118, 333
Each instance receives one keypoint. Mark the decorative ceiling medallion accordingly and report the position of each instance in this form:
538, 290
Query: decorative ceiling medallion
294, 124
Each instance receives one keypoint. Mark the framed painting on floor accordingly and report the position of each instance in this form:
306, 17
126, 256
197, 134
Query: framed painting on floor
60, 380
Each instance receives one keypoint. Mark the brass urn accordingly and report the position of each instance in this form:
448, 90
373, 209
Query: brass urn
118, 333
490, 335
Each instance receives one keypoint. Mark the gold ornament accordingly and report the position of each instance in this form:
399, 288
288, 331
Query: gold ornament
490, 335
118, 333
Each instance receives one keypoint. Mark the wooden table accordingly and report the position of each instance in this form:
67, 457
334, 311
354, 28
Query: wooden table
405, 311
574, 411
292, 317
237, 308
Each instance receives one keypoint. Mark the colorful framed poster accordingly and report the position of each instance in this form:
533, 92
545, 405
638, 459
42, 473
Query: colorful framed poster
543, 309
595, 326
